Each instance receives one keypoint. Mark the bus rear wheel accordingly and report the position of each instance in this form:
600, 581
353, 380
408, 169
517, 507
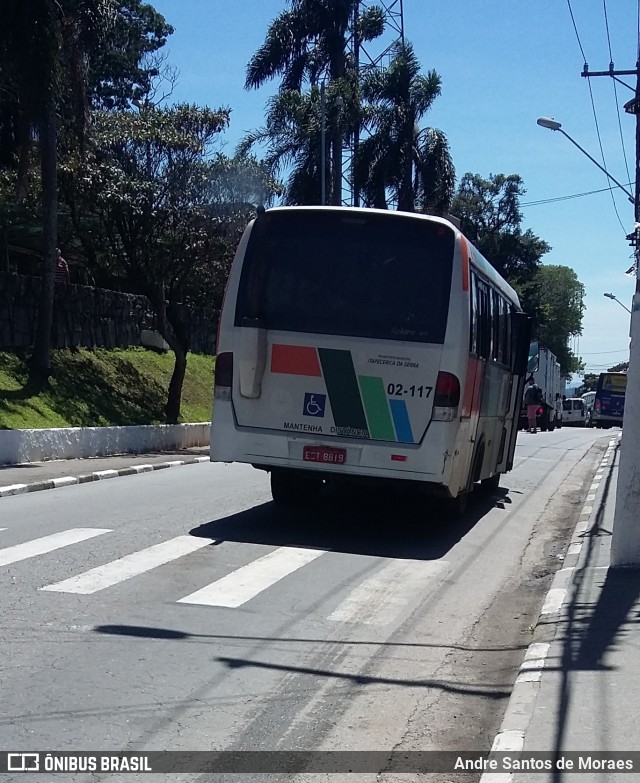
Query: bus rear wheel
456, 507
289, 488
491, 484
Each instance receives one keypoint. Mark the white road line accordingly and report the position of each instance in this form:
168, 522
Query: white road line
129, 566
379, 600
245, 583
40, 546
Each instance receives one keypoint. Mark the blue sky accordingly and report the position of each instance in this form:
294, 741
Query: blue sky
503, 64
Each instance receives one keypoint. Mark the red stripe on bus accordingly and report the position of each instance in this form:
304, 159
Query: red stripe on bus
295, 360
472, 386
464, 252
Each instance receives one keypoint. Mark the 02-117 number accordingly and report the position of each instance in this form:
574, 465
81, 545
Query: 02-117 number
398, 389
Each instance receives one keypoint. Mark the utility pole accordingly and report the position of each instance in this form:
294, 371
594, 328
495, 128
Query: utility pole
323, 144
625, 541
367, 56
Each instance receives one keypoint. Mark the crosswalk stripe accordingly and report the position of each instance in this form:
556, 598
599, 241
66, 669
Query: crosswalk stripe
129, 566
382, 597
40, 546
246, 582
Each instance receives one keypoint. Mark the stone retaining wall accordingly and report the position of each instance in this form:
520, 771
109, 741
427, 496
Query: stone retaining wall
86, 317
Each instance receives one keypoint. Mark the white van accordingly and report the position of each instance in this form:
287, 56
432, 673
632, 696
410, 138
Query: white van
574, 411
589, 401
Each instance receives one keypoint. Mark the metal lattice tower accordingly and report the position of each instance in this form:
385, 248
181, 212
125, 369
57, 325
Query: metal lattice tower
370, 55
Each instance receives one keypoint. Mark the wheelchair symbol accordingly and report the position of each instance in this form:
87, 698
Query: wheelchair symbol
314, 404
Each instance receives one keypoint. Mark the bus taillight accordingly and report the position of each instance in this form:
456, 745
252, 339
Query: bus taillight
223, 376
447, 397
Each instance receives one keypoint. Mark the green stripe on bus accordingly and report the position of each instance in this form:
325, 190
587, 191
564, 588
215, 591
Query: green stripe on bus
344, 394
376, 407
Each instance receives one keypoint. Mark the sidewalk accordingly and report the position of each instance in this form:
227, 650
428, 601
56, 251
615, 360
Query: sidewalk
579, 686
34, 476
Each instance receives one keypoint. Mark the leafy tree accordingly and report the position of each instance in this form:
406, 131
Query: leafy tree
44, 45
413, 165
169, 214
490, 216
292, 137
588, 384
622, 367
558, 297
306, 44
125, 65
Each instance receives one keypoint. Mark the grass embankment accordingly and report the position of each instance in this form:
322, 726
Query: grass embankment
101, 388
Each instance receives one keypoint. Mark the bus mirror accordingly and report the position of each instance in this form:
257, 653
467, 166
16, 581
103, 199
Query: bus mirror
521, 328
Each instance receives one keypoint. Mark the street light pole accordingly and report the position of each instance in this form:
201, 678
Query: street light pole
615, 299
625, 538
549, 122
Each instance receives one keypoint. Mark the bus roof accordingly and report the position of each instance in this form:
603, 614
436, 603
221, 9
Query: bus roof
479, 261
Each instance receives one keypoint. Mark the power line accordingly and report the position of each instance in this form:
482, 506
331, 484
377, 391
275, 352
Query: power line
584, 56
604, 353
600, 366
604, 162
606, 24
615, 89
595, 115
566, 198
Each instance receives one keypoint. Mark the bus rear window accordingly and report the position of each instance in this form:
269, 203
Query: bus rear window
383, 276
616, 384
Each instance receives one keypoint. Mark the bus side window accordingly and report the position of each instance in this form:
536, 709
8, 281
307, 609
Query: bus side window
474, 337
484, 319
496, 328
505, 323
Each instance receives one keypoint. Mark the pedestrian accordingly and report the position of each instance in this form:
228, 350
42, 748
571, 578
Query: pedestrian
62, 268
532, 399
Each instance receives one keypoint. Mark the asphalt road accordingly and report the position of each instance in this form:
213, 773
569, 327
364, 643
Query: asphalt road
179, 610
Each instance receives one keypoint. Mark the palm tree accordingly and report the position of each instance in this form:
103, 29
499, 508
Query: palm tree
399, 160
293, 138
434, 173
44, 44
307, 44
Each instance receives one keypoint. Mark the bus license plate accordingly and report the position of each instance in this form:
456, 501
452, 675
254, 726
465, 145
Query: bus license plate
323, 454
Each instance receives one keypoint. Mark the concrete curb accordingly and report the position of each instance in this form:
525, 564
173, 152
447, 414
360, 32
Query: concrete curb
98, 475
520, 708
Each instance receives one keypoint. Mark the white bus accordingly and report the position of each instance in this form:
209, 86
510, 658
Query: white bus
361, 344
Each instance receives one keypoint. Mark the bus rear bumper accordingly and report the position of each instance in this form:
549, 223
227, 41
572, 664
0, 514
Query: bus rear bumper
267, 451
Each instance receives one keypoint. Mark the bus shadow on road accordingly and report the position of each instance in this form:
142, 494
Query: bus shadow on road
384, 525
